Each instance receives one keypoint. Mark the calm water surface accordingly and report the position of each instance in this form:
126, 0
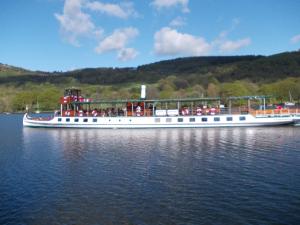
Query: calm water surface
155, 176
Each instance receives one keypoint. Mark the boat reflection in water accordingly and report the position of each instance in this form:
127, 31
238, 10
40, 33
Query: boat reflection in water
79, 141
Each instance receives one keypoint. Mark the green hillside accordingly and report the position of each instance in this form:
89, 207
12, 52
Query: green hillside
194, 69
8, 71
276, 75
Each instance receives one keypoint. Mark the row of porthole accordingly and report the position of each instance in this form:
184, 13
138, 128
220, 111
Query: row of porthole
85, 120
203, 119
157, 120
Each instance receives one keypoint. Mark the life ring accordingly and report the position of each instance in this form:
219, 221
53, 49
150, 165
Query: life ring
65, 100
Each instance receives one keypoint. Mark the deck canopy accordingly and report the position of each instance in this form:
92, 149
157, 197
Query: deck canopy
250, 97
151, 100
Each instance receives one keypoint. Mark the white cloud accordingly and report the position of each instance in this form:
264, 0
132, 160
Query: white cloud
234, 23
169, 41
229, 46
295, 39
126, 54
159, 4
177, 22
222, 42
123, 10
117, 41
74, 23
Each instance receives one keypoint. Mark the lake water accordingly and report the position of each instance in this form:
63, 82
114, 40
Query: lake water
154, 176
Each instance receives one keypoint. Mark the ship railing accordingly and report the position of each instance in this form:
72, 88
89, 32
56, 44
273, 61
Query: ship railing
219, 111
276, 112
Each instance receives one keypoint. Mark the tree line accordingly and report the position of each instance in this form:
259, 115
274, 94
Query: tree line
46, 96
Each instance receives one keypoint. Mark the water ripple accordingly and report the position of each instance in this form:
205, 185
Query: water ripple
162, 176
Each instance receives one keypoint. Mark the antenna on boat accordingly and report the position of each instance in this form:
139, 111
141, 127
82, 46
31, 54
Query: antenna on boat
143, 92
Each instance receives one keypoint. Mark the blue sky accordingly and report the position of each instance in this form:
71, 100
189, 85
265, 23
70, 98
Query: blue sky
63, 35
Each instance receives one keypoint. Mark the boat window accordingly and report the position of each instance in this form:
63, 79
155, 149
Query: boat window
229, 118
85, 120
204, 119
180, 119
76, 120
95, 120
168, 120
242, 118
216, 119
59, 119
67, 119
192, 119
157, 120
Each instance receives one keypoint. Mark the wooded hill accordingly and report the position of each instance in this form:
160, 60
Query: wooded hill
263, 69
7, 70
276, 75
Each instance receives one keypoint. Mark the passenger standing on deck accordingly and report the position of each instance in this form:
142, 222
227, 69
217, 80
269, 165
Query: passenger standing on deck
138, 110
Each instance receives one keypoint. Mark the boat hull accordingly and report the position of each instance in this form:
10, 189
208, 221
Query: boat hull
157, 122
296, 119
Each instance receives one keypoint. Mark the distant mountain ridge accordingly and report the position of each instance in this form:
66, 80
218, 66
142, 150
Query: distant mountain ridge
8, 70
193, 69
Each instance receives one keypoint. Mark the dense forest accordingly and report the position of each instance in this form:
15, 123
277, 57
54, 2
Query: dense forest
276, 75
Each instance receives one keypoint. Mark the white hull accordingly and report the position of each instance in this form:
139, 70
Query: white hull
157, 122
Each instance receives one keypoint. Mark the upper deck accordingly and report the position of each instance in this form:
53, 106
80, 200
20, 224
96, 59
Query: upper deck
74, 104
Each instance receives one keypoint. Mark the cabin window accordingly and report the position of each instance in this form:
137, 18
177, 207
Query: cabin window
157, 120
59, 119
94, 120
85, 120
242, 118
168, 120
204, 119
67, 119
76, 120
217, 119
229, 118
180, 119
192, 119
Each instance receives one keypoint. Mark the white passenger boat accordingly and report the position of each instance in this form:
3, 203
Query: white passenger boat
79, 112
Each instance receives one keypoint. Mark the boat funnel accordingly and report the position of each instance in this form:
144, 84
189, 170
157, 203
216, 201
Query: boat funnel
143, 91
